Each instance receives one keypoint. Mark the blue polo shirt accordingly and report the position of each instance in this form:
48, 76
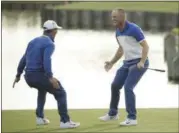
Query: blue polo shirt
129, 39
37, 57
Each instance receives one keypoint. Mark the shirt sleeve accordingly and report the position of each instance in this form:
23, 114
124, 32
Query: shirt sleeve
21, 65
47, 60
138, 34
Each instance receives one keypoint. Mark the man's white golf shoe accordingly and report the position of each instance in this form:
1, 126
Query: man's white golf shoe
109, 118
42, 121
129, 122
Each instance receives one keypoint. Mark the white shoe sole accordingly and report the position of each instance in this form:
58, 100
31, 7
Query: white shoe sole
128, 125
41, 124
70, 127
121, 124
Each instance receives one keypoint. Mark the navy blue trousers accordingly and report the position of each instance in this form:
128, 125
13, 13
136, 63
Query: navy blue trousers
39, 81
128, 76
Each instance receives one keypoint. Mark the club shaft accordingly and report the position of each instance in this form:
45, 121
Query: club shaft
160, 70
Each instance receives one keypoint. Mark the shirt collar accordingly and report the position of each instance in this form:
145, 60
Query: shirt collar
126, 25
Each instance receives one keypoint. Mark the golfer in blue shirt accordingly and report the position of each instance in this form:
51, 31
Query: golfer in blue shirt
133, 46
38, 74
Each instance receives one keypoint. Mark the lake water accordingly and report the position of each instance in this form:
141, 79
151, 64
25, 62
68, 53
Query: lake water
78, 63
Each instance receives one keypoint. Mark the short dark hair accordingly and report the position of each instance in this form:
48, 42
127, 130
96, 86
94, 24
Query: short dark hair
48, 31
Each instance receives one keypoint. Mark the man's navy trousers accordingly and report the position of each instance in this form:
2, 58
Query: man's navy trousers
128, 76
41, 82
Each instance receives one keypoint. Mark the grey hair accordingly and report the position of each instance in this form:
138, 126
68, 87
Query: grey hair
120, 10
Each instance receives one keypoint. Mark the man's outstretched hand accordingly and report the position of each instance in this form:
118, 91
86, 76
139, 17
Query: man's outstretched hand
17, 79
108, 65
54, 83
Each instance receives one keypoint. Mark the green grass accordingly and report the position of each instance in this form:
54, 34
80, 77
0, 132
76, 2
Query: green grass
130, 6
150, 120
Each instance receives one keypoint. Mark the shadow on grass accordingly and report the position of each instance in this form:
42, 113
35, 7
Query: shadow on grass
84, 129
113, 128
99, 127
32, 129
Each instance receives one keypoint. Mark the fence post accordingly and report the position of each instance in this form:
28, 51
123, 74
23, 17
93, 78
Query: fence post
171, 55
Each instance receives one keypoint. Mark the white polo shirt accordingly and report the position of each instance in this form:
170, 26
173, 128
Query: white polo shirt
129, 39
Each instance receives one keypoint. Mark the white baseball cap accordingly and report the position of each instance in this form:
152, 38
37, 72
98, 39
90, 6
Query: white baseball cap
50, 25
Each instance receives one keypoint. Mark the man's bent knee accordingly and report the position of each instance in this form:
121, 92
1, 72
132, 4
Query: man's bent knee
59, 93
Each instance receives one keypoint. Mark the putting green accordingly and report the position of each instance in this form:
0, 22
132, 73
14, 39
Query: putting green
150, 120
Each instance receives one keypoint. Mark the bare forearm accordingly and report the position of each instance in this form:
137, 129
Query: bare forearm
145, 51
118, 55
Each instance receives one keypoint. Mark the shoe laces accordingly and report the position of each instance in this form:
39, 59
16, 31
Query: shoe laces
127, 120
71, 122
